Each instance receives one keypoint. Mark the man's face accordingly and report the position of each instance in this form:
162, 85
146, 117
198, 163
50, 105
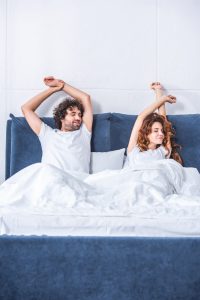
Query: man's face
72, 120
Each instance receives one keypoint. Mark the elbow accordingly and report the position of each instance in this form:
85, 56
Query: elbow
87, 98
23, 109
140, 118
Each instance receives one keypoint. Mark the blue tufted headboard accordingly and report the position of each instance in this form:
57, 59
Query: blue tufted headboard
111, 131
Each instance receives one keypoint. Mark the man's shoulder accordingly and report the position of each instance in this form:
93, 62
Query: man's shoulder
84, 129
45, 129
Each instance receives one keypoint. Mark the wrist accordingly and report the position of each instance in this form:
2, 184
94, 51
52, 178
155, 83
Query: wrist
52, 89
163, 100
64, 83
158, 93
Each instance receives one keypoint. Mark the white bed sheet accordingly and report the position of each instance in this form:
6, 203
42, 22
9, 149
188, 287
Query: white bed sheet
61, 225
157, 199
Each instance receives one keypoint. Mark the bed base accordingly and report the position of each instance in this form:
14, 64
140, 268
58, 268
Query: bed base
99, 268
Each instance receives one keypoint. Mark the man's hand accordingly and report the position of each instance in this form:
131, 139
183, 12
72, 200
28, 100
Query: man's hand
56, 84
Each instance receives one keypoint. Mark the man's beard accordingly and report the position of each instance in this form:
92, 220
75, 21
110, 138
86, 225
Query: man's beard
76, 126
73, 127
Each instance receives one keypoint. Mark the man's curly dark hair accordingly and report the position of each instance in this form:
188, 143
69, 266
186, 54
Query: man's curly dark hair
60, 111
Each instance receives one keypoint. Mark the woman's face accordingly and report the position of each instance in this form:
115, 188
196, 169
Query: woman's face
156, 136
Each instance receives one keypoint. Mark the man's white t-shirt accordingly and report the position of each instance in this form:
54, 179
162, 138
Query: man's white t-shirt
69, 151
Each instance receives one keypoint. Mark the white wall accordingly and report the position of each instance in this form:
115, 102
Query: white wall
112, 49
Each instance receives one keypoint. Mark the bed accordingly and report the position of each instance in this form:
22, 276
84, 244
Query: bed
99, 267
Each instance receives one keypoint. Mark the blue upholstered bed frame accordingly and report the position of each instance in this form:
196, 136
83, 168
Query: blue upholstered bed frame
99, 268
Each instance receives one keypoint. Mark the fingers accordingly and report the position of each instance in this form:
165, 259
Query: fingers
155, 85
61, 83
60, 80
52, 81
58, 87
152, 85
48, 78
171, 99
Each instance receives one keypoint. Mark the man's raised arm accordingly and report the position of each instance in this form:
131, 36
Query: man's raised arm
30, 106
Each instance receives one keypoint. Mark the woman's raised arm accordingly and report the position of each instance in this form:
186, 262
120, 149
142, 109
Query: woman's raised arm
138, 123
158, 89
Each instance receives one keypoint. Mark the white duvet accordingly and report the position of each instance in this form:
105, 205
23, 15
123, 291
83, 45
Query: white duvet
160, 190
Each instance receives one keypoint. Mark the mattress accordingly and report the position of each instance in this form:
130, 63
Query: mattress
65, 225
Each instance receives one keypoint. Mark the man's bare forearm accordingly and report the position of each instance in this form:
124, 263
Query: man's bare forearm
81, 96
35, 102
74, 92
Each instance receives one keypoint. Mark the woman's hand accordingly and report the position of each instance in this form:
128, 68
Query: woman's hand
156, 86
171, 99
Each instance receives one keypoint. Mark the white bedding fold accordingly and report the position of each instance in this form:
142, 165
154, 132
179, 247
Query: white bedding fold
161, 189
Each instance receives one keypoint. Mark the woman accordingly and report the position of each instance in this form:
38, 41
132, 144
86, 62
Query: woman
151, 137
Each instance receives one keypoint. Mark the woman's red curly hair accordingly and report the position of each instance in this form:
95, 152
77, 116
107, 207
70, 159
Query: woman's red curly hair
146, 128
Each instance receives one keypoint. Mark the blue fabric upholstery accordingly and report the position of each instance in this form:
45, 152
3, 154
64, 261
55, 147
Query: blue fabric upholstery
111, 131
121, 126
81, 268
101, 133
187, 129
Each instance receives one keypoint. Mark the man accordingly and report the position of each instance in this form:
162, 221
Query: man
67, 147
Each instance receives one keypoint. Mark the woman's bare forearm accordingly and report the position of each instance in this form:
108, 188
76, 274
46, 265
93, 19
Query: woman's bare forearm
161, 109
158, 89
151, 108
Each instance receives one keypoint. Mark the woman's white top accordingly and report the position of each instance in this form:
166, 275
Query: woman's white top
69, 151
136, 156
